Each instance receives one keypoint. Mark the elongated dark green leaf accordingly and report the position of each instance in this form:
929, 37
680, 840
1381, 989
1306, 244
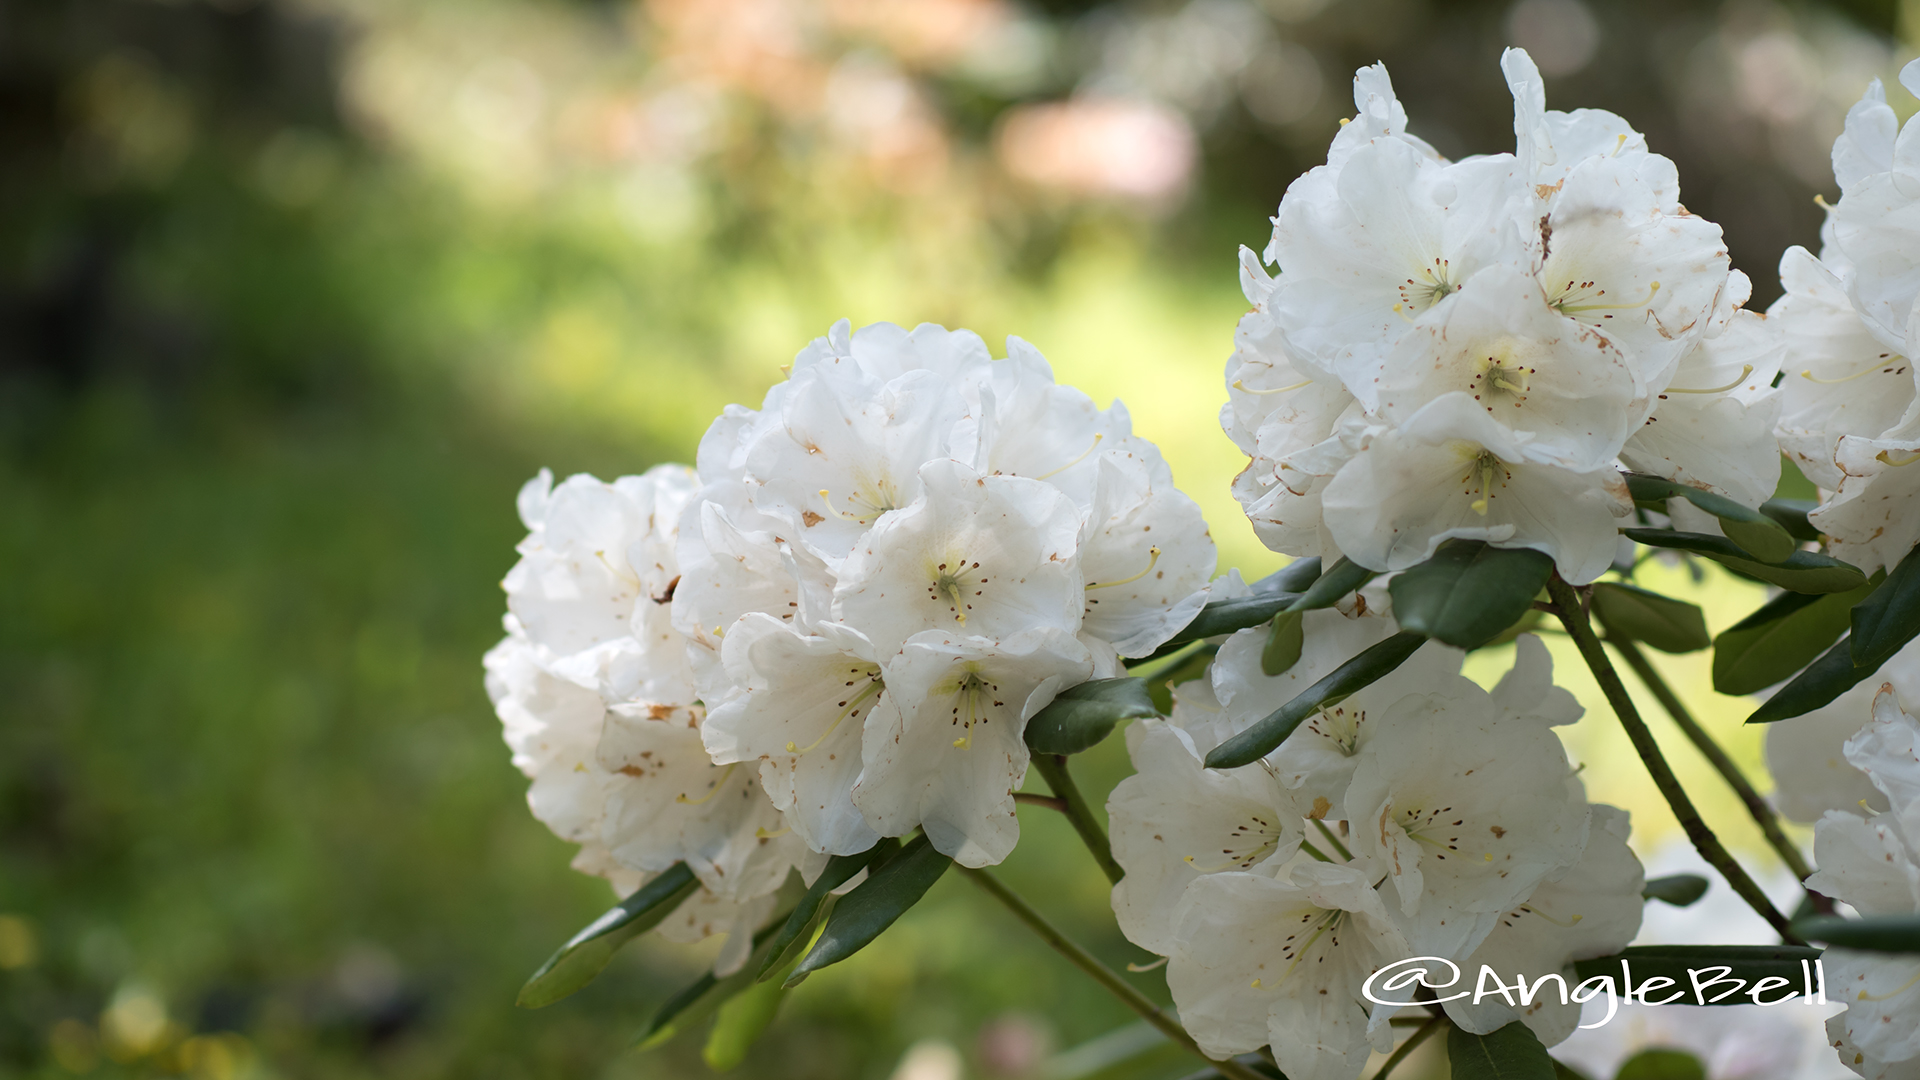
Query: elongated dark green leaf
1284, 642
839, 870
1661, 1064
1823, 680
1361, 671
1884, 622
1083, 715
1275, 592
1344, 577
1872, 933
1469, 591
741, 1021
1756, 533
1804, 571
587, 952
1680, 890
1659, 622
1780, 638
1513, 1052
1749, 962
1792, 516
862, 914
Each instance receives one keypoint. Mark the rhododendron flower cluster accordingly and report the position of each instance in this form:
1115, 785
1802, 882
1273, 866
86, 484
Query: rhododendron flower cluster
777, 695
1475, 349
1422, 816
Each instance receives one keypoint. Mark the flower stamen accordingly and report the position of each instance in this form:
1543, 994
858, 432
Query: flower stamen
873, 687
1083, 456
1745, 370
1153, 557
1576, 309
1245, 389
1882, 365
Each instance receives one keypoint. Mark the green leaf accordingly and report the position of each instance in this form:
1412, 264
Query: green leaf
1284, 643
1782, 637
741, 1022
1792, 516
1872, 933
1080, 716
1333, 585
1749, 962
1759, 535
1469, 591
1672, 626
1680, 890
839, 870
864, 913
1884, 622
1661, 1064
587, 952
1361, 671
1804, 571
1275, 592
1513, 1052
1827, 678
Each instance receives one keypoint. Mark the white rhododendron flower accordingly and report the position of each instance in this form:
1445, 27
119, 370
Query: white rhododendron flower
1873, 864
1851, 417
595, 694
1477, 349
904, 555
1262, 961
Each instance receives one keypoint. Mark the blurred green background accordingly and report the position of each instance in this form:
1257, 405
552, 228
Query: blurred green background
295, 293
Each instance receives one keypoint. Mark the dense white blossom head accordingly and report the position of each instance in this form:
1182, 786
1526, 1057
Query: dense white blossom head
1475, 349
900, 558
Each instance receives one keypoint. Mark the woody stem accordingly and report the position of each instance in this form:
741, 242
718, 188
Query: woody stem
1763, 814
1053, 769
1573, 616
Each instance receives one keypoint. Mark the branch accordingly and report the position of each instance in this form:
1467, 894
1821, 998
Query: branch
1101, 973
1763, 814
1053, 769
1051, 802
1573, 616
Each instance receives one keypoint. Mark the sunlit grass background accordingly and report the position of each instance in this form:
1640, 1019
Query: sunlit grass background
294, 295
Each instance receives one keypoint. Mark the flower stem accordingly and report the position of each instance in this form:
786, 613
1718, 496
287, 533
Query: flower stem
1573, 616
1763, 814
1101, 973
1053, 769
1030, 798
1420, 1035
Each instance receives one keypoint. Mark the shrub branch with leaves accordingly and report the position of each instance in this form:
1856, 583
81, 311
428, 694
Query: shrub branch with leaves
776, 696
